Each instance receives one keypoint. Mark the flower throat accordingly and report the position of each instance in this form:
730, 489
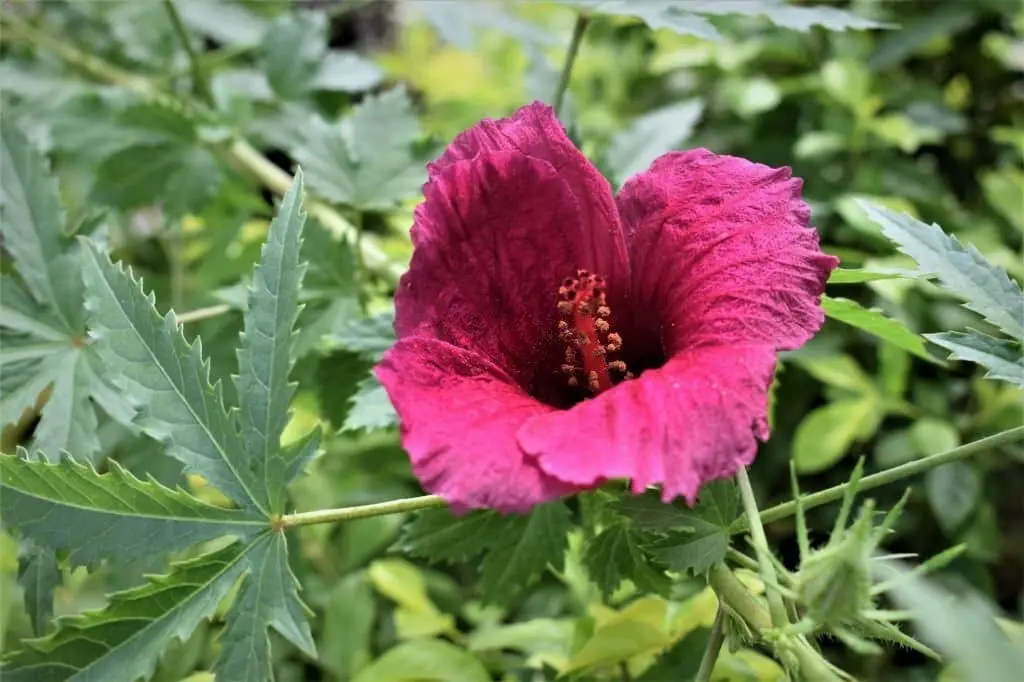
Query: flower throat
587, 333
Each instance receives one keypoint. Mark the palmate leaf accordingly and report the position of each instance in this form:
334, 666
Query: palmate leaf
124, 640
615, 555
962, 269
70, 507
1003, 359
874, 322
167, 378
265, 354
268, 598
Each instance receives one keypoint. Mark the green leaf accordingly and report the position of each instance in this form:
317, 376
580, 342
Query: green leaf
524, 550
1003, 359
269, 598
68, 421
651, 135
953, 492
859, 276
691, 539
39, 575
69, 507
371, 408
167, 378
265, 354
228, 23
840, 371
124, 640
345, 71
370, 336
180, 176
826, 434
33, 228
874, 322
615, 555
795, 17
658, 15
985, 288
366, 161
439, 535
293, 48
425, 660
348, 624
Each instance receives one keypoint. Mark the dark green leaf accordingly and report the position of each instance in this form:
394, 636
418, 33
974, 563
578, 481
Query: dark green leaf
124, 640
39, 575
268, 598
1003, 359
875, 322
985, 288
348, 625
524, 549
68, 421
265, 354
180, 176
953, 492
69, 507
615, 555
167, 378
370, 336
439, 535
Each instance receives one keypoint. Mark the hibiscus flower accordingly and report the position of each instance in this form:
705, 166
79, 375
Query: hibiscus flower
552, 336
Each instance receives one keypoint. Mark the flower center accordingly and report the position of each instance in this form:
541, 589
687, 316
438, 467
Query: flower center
588, 336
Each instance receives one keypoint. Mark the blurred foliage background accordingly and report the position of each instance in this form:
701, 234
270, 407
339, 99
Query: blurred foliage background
925, 117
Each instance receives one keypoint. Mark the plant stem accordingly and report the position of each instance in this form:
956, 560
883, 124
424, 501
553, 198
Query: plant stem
707, 663
199, 81
203, 313
582, 20
362, 511
780, 617
734, 594
898, 473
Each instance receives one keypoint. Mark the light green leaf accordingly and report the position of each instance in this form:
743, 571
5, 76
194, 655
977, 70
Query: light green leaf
1003, 359
371, 408
657, 15
345, 71
826, 434
366, 161
840, 371
953, 491
691, 539
68, 506
524, 550
797, 18
634, 148
348, 625
39, 575
985, 288
858, 276
370, 336
615, 555
124, 640
618, 641
538, 635
425, 660
20, 313
33, 228
874, 322
293, 48
15, 401
68, 421
166, 378
228, 23
265, 354
269, 598
179, 175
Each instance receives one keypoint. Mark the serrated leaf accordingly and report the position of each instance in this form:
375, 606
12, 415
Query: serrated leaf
68, 421
1003, 359
371, 408
70, 507
691, 539
33, 228
874, 322
366, 161
268, 598
524, 549
651, 135
369, 336
293, 48
124, 640
425, 660
985, 288
795, 17
615, 555
179, 175
439, 535
39, 575
167, 379
265, 353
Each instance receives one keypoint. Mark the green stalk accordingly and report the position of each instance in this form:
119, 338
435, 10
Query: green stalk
707, 663
199, 79
582, 20
360, 512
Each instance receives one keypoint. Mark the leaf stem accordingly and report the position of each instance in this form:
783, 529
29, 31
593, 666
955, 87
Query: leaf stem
203, 313
362, 511
707, 663
898, 473
732, 593
199, 81
776, 607
582, 20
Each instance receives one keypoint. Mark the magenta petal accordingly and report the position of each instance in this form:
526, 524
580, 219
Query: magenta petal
493, 239
692, 421
459, 415
721, 252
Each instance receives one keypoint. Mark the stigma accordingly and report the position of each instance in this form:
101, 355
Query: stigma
586, 330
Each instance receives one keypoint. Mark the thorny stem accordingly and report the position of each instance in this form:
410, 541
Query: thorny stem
361, 512
776, 607
199, 80
707, 663
582, 20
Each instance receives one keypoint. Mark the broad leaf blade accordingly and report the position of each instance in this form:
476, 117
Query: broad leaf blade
68, 506
439, 535
268, 598
371, 408
33, 227
68, 421
985, 288
166, 378
125, 640
651, 135
1003, 359
615, 555
265, 354
39, 575
524, 549
875, 322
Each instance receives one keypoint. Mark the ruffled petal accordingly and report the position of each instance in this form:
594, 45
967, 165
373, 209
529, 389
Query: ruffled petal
722, 253
459, 415
535, 131
493, 239
692, 421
